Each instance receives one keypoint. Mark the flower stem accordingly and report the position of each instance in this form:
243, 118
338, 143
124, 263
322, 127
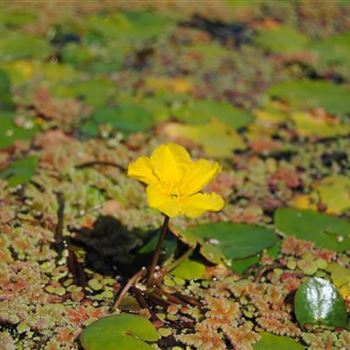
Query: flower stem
156, 254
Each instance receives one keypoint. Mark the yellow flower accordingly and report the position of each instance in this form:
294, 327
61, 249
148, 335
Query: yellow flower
174, 181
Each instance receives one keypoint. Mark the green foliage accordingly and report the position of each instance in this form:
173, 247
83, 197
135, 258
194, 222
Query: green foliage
313, 94
10, 131
6, 102
325, 230
121, 332
126, 118
17, 45
227, 241
270, 341
189, 270
20, 171
282, 39
202, 111
317, 302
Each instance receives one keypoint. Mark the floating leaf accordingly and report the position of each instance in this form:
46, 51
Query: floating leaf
317, 302
126, 118
6, 102
203, 111
95, 92
308, 124
216, 138
189, 270
270, 341
16, 45
340, 276
20, 171
313, 94
227, 241
10, 131
334, 193
325, 230
281, 39
241, 265
122, 332
333, 51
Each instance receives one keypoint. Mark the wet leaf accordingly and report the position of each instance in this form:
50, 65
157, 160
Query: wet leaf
325, 230
20, 171
313, 94
122, 332
189, 270
227, 241
317, 302
216, 138
270, 341
281, 39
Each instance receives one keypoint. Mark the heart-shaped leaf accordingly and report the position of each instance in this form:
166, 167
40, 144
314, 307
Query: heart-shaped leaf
227, 241
122, 332
326, 231
269, 341
317, 302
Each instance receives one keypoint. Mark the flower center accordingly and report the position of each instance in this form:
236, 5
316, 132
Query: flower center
174, 195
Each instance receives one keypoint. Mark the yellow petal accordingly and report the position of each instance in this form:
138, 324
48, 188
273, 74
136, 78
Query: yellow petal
198, 175
166, 204
169, 162
141, 170
199, 203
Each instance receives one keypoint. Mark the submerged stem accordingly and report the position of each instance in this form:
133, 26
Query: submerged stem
156, 254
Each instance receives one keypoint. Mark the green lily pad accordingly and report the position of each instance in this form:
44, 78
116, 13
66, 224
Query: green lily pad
317, 302
126, 118
216, 138
241, 265
326, 231
227, 241
135, 25
333, 51
270, 341
203, 111
313, 94
16, 45
10, 131
95, 92
334, 193
119, 332
282, 39
20, 171
189, 270
6, 102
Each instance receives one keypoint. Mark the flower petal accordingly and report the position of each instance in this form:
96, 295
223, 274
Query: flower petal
169, 162
198, 175
158, 200
198, 203
141, 169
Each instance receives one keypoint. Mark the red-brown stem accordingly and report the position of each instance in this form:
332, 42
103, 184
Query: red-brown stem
157, 252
